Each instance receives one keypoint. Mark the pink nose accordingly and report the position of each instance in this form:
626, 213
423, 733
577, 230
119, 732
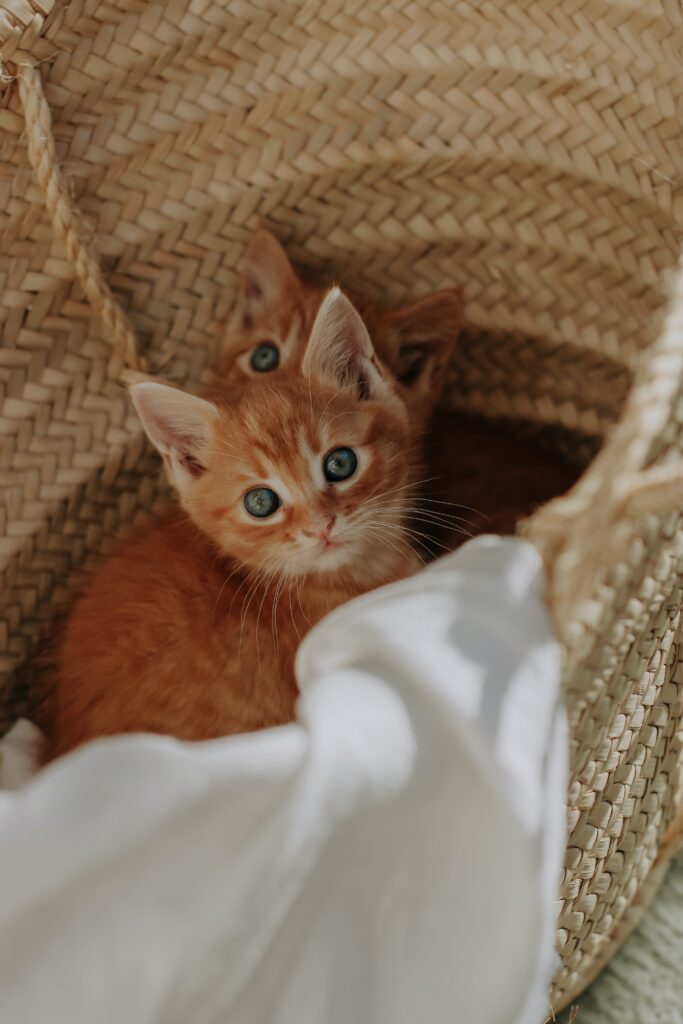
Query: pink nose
323, 528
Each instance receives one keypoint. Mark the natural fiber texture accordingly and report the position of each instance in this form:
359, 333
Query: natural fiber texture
21, 22
642, 984
530, 151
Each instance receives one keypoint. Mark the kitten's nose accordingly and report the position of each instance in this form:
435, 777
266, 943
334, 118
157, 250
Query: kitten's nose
323, 528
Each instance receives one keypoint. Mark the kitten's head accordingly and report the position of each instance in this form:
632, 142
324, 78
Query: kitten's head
310, 476
274, 315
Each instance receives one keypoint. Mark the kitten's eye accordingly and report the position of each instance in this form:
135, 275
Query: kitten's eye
340, 464
261, 502
265, 357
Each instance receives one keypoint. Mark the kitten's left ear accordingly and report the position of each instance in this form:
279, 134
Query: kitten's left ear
179, 425
268, 279
340, 350
418, 341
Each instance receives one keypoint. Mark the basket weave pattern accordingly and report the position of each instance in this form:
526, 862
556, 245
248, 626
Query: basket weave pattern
531, 152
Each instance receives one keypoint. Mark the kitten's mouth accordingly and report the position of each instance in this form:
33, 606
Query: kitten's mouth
327, 555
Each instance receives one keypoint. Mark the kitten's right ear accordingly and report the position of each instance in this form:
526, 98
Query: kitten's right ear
179, 425
268, 280
340, 350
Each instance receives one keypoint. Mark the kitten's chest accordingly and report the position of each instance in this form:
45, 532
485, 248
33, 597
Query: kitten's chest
248, 645
255, 633
268, 626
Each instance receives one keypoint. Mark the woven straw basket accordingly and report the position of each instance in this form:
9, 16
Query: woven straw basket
531, 151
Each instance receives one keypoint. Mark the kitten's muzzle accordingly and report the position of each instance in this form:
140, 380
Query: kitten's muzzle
322, 531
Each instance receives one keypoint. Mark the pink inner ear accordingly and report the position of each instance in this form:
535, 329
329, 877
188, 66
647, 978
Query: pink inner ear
268, 278
192, 464
340, 347
175, 421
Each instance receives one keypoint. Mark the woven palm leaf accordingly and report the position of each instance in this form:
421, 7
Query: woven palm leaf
530, 151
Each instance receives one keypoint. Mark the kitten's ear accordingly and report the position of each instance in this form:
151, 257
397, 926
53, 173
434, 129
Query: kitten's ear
268, 278
340, 350
419, 341
179, 425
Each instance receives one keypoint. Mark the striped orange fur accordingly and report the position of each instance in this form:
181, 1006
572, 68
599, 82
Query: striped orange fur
191, 630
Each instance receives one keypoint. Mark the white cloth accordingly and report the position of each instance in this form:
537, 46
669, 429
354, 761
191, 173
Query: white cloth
393, 856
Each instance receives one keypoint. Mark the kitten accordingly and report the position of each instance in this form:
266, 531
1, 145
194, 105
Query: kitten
274, 315
294, 500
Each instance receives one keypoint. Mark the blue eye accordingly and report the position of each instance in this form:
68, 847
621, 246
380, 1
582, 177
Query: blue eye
340, 464
261, 502
265, 357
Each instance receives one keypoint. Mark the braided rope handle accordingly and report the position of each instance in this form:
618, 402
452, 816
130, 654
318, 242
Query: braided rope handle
127, 363
578, 534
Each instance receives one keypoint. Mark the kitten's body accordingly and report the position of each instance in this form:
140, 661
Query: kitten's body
173, 639
192, 629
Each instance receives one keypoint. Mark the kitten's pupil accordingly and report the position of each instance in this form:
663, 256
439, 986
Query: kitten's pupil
340, 464
261, 502
265, 357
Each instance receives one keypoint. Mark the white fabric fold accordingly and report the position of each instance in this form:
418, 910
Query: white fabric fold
392, 856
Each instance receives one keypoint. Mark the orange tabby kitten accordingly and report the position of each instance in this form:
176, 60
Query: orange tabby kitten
294, 501
275, 312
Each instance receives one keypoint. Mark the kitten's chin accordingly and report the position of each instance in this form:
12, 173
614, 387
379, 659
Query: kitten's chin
350, 562
326, 560
338, 558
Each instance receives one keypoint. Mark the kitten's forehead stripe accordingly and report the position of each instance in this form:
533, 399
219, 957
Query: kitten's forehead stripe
312, 434
305, 444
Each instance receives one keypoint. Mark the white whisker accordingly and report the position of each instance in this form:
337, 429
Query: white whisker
247, 602
291, 610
